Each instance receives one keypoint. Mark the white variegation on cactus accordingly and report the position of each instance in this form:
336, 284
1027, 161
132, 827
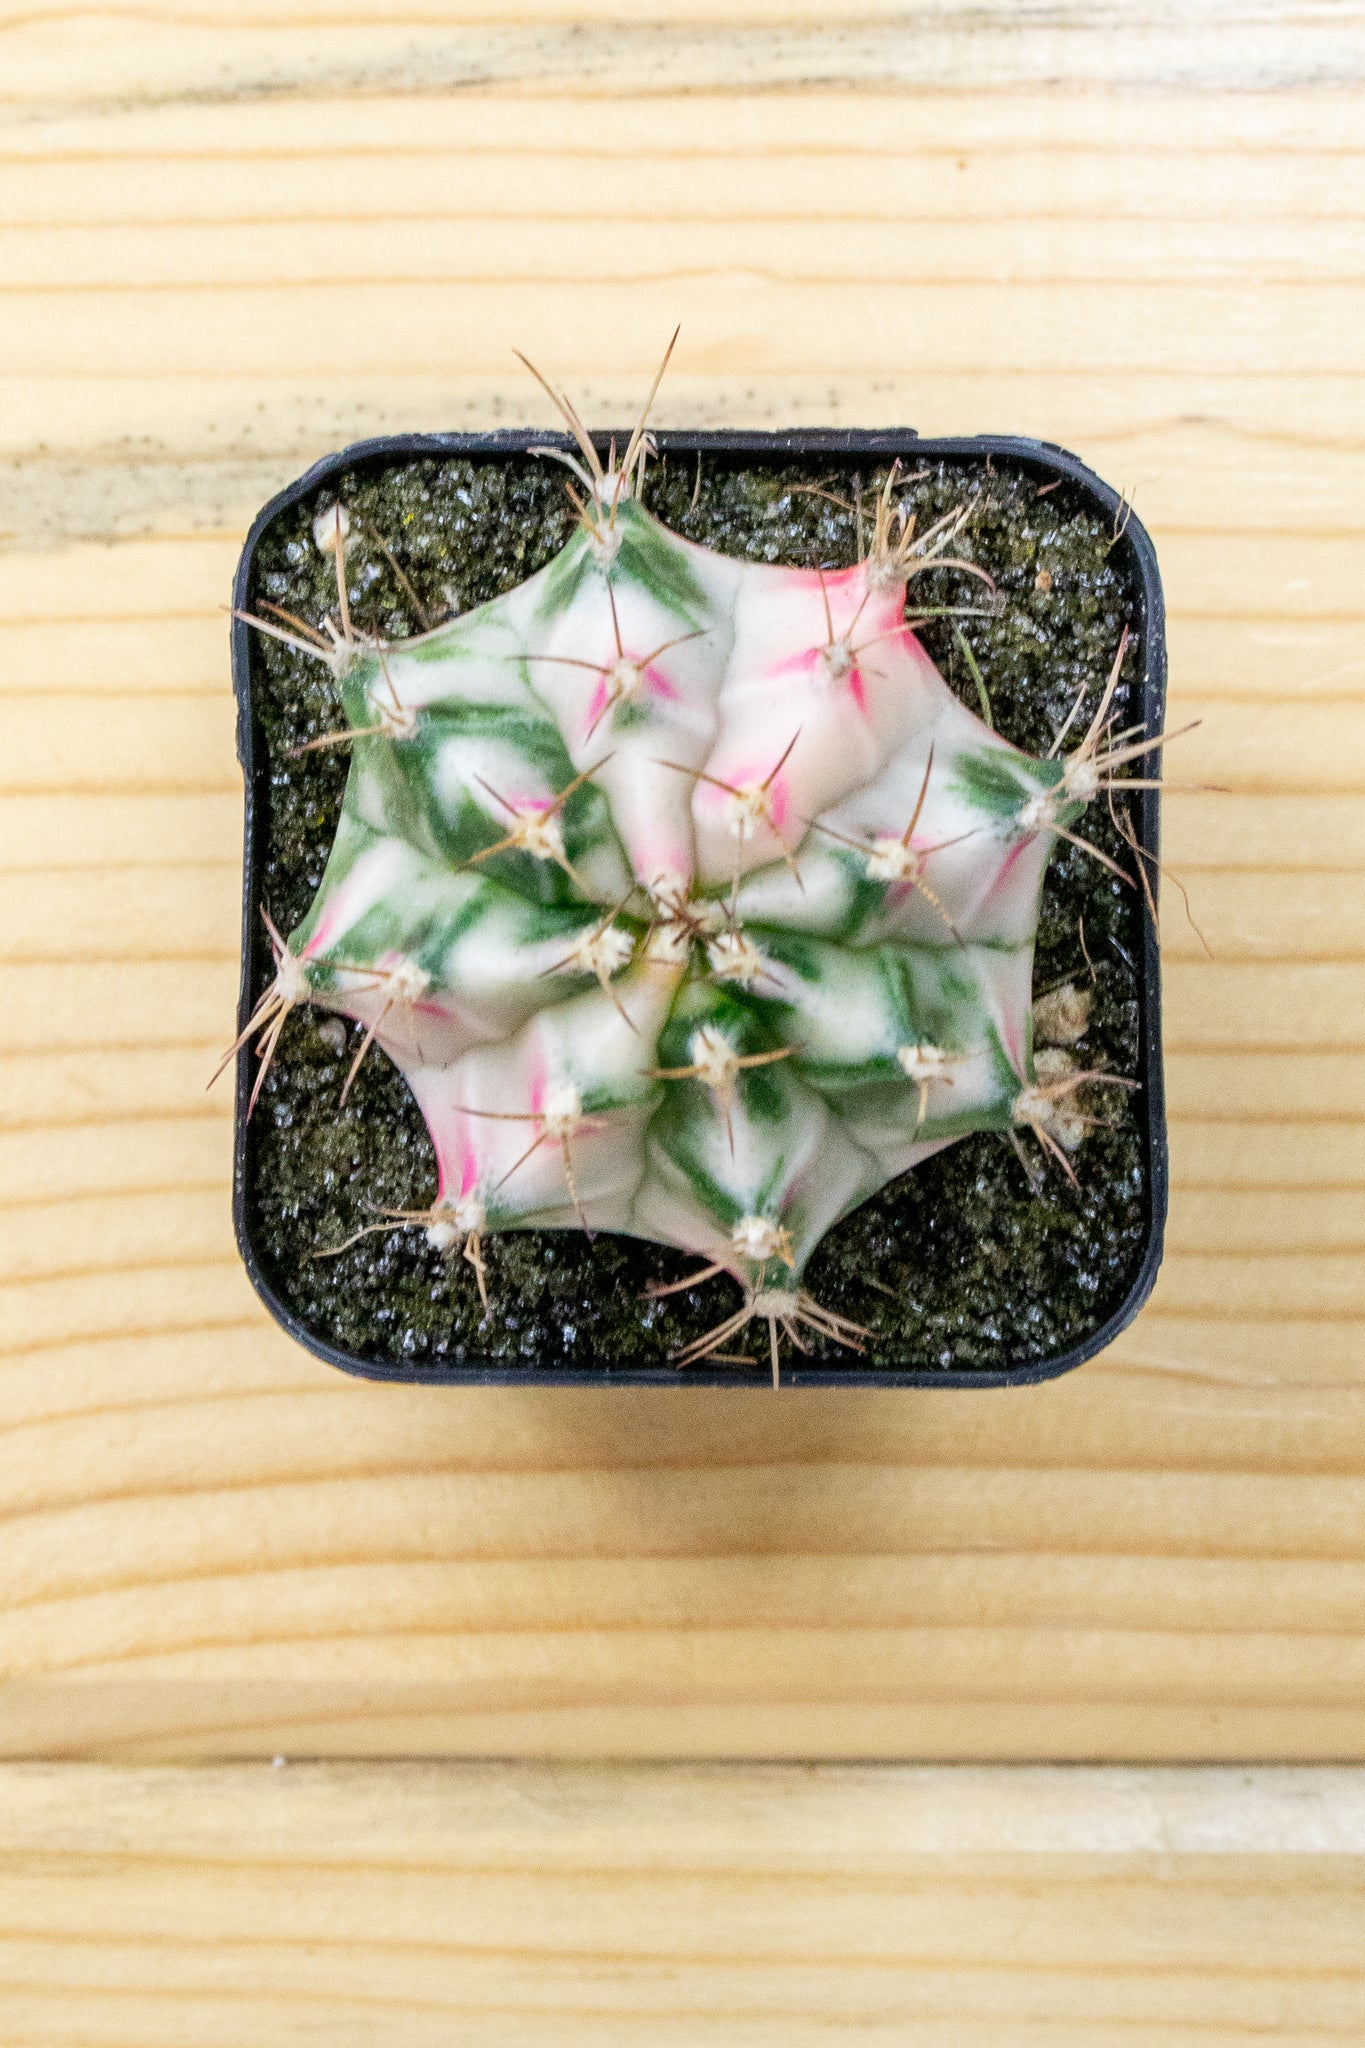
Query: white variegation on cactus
687, 897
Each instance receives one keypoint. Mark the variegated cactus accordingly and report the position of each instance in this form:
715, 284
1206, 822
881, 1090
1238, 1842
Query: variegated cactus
686, 896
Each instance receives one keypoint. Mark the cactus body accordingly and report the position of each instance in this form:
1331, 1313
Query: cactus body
688, 899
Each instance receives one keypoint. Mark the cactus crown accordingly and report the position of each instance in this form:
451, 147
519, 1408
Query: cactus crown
688, 899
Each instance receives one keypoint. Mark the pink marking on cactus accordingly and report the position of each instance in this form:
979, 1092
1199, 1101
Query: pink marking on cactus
801, 662
995, 900
717, 796
779, 800
669, 856
615, 686
540, 1078
658, 684
1016, 853
328, 924
845, 585
456, 1169
597, 706
814, 579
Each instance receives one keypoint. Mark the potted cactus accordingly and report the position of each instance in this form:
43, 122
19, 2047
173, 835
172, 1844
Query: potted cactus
698, 923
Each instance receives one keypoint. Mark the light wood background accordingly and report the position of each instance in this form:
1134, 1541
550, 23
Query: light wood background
227, 249
232, 239
535, 1905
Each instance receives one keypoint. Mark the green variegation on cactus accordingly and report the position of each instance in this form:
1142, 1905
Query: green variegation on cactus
686, 896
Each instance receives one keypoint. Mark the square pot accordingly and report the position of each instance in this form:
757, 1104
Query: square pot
1011, 1355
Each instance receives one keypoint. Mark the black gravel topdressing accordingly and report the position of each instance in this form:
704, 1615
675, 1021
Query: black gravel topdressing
959, 1267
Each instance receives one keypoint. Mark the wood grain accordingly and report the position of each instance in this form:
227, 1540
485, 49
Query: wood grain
533, 1905
224, 251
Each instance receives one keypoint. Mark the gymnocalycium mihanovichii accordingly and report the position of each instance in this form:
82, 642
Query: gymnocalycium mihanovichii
689, 900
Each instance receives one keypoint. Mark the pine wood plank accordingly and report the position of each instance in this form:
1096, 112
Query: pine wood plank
482, 244
932, 1909
48, 1091
173, 331
1227, 467
425, 178
1229, 45
221, 255
1237, 1086
1309, 116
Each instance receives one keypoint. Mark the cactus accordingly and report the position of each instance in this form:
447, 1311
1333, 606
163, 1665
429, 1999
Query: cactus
686, 896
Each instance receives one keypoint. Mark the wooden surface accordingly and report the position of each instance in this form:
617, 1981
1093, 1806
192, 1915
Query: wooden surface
226, 249
572, 1906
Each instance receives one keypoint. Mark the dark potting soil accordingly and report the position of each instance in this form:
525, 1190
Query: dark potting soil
958, 1266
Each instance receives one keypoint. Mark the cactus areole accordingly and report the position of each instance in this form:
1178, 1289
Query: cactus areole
688, 899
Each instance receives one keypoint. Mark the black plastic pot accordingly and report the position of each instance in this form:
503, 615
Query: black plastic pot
1134, 548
